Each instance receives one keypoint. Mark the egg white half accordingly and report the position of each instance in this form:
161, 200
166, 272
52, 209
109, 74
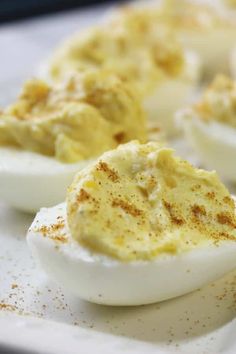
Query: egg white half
104, 280
29, 180
173, 94
214, 47
213, 142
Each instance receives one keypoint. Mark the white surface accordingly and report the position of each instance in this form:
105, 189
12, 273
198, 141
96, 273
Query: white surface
43, 180
201, 322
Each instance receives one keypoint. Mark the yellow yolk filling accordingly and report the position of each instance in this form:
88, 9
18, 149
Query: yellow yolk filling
79, 119
133, 45
218, 102
139, 201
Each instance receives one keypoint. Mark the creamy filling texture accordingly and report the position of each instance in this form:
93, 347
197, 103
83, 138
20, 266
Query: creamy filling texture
139, 201
218, 102
133, 44
78, 119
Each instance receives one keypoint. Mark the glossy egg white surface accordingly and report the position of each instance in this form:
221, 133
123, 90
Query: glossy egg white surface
104, 280
214, 48
214, 144
173, 94
29, 180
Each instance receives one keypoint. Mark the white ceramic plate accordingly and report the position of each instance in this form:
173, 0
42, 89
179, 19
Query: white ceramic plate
36, 315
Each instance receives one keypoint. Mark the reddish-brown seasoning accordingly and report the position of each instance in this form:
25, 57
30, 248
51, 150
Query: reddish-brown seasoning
4, 306
83, 196
198, 210
174, 218
51, 230
14, 286
211, 195
119, 137
127, 207
111, 173
226, 219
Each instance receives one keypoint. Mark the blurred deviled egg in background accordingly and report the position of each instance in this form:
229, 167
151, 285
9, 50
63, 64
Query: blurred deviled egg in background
210, 127
230, 3
206, 29
52, 131
233, 63
139, 226
136, 47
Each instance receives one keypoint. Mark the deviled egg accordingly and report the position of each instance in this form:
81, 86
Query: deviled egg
133, 45
210, 127
52, 131
139, 226
207, 30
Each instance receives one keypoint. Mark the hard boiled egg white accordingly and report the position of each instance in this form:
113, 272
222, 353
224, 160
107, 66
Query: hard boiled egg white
214, 144
214, 48
173, 94
210, 129
29, 180
104, 280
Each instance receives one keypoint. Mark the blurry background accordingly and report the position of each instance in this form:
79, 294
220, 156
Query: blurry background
31, 29
15, 9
